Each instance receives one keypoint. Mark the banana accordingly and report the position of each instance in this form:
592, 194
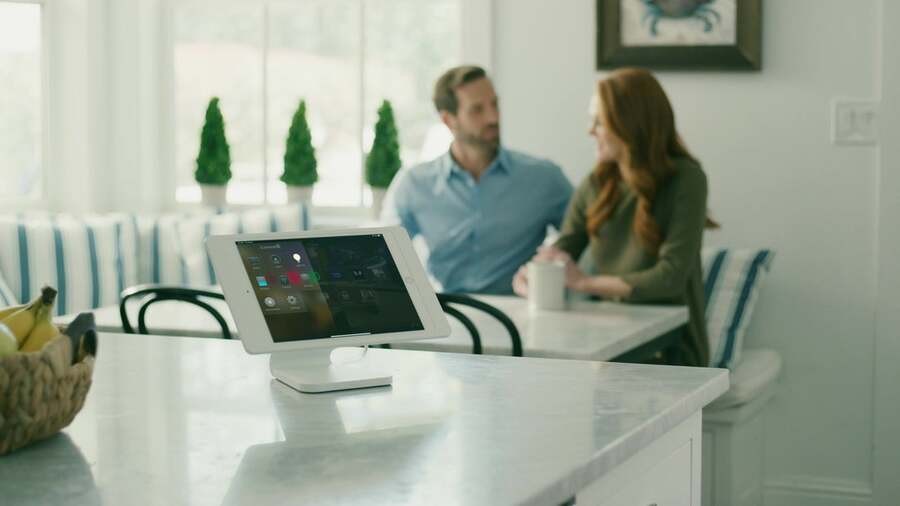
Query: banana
41, 334
10, 310
8, 342
22, 322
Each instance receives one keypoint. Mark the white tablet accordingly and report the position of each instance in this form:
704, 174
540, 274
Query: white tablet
297, 290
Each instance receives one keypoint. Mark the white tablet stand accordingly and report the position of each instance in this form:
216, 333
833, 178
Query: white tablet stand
327, 369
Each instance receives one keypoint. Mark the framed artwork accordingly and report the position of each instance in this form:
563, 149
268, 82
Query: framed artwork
679, 34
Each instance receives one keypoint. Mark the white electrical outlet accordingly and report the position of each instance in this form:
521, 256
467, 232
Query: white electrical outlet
854, 122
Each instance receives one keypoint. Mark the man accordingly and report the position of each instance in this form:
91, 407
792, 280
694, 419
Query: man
482, 209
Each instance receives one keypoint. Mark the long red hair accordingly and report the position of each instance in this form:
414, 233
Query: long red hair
635, 109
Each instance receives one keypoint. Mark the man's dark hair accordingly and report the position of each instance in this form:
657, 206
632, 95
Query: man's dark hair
445, 87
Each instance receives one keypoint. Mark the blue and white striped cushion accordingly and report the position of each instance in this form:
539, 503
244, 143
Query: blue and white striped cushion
89, 260
196, 268
159, 251
7, 298
732, 281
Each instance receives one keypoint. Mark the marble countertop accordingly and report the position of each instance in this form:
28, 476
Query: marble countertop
198, 421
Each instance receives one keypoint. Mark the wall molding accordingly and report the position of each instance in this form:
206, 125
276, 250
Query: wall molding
886, 412
817, 491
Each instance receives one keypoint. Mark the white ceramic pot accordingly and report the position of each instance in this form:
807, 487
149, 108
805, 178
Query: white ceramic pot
377, 201
213, 195
299, 194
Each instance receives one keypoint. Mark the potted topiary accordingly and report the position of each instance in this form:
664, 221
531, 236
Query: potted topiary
299, 159
214, 159
383, 161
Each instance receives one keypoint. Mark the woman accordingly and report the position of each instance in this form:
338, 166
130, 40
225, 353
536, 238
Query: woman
641, 212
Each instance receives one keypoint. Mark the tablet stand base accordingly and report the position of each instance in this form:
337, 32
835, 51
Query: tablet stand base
327, 370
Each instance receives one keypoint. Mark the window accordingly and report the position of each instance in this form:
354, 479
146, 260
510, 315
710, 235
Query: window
20, 102
342, 56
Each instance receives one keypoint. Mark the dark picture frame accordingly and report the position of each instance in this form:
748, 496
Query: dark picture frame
745, 54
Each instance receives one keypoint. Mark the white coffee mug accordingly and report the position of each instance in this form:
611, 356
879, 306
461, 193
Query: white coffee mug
547, 285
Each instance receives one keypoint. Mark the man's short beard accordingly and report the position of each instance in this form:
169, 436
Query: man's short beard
475, 141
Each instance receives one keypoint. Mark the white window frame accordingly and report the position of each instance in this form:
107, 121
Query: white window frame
476, 19
19, 202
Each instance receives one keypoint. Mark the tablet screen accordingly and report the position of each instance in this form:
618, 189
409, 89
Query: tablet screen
328, 287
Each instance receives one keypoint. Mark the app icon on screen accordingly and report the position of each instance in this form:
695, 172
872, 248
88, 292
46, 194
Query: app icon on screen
296, 303
269, 301
293, 277
283, 279
261, 281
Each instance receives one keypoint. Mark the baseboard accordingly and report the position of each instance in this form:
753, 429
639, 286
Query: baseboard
814, 491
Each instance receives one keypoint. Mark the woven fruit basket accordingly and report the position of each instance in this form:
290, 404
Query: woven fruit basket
42, 391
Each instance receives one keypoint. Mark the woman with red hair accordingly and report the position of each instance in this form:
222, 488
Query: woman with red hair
640, 213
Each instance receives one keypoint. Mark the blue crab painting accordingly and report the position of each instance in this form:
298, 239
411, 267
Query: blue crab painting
680, 9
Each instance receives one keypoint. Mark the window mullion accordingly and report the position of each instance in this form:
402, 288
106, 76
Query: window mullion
362, 100
265, 103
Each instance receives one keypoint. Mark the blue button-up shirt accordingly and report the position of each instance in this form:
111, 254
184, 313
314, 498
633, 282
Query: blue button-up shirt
479, 232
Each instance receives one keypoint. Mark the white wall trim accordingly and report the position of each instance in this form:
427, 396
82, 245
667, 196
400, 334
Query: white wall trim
166, 57
886, 447
47, 12
818, 491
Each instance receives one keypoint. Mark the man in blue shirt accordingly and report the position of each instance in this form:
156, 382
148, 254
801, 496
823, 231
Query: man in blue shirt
483, 210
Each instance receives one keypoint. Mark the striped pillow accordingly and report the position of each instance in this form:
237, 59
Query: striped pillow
196, 268
7, 298
89, 259
159, 248
732, 280
194, 264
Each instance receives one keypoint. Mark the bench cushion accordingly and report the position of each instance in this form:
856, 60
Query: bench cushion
7, 298
195, 266
732, 281
757, 373
88, 259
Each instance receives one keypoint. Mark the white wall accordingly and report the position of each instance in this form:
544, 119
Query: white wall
775, 181
887, 344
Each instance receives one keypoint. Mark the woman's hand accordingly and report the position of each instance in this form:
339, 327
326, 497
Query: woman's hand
550, 254
520, 282
575, 277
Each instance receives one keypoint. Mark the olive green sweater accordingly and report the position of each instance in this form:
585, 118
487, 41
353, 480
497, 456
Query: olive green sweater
674, 276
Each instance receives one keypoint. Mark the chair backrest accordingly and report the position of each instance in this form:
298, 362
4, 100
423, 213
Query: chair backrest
446, 299
151, 294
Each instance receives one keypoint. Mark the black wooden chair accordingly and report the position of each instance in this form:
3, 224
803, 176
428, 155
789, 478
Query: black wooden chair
448, 300
151, 294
